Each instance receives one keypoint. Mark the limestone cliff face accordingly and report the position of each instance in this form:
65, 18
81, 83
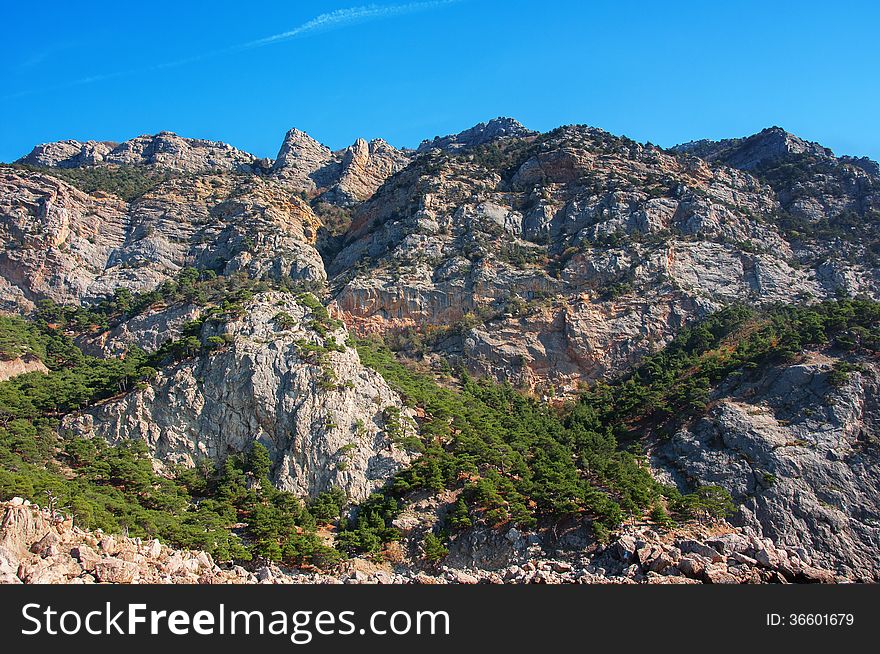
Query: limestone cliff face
364, 167
320, 415
300, 159
147, 331
58, 242
344, 177
68, 154
800, 455
579, 250
810, 183
71, 247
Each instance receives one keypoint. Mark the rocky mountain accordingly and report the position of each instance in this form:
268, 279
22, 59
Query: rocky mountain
164, 150
343, 177
235, 302
581, 251
751, 153
497, 128
70, 246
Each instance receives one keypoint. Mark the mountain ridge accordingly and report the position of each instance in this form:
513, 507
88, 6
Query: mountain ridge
330, 311
72, 153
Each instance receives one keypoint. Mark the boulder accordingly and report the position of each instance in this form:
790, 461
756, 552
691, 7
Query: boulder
719, 574
86, 556
48, 545
691, 566
661, 563
696, 547
116, 571
624, 548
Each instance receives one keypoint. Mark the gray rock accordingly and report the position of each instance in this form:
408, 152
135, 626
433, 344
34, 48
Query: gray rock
787, 445
696, 547
202, 408
344, 177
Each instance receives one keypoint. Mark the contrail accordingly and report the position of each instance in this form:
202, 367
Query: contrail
324, 22
344, 17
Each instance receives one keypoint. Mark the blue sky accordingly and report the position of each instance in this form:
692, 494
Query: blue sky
663, 72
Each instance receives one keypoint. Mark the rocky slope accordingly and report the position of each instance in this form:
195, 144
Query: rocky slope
275, 380
38, 546
812, 185
343, 177
71, 247
579, 251
799, 455
768, 146
493, 130
547, 260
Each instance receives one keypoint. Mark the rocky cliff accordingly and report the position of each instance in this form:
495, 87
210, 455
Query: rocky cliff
800, 455
343, 177
556, 262
581, 251
276, 381
72, 247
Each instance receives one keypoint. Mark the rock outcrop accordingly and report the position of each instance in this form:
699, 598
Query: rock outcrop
799, 455
300, 159
344, 177
72, 247
68, 154
305, 397
363, 168
22, 365
497, 128
766, 147
165, 150
42, 547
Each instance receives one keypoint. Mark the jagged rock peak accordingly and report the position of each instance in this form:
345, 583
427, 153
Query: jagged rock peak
299, 150
364, 167
748, 153
345, 176
865, 163
479, 134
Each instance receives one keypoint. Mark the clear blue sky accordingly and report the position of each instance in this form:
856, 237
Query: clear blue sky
663, 72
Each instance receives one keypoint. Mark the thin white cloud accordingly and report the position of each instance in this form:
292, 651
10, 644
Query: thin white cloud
351, 16
336, 19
